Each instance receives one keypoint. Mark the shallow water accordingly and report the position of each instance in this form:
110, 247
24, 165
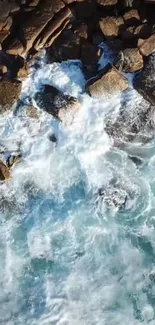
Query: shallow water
68, 257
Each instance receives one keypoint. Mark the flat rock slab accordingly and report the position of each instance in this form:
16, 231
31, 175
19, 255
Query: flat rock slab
9, 93
107, 84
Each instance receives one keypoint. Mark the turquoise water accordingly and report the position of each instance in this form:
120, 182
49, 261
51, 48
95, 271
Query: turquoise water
68, 256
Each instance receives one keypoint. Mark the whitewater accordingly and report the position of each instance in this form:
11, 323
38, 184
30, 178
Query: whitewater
68, 257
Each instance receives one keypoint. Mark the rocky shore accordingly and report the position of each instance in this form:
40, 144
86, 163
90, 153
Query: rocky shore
70, 29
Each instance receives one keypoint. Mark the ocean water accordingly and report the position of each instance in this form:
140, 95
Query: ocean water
67, 255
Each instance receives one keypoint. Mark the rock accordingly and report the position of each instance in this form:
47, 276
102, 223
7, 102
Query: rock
133, 32
132, 17
111, 26
145, 83
147, 46
107, 2
9, 93
129, 60
109, 83
67, 47
82, 31
54, 102
90, 54
13, 159
4, 171
12, 63
52, 137
35, 24
54, 29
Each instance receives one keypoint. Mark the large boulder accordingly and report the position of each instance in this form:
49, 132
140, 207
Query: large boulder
111, 26
107, 83
129, 60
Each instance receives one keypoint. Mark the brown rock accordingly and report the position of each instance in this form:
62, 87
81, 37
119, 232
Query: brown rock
129, 60
132, 17
9, 93
107, 2
33, 26
54, 29
4, 171
108, 83
111, 26
147, 46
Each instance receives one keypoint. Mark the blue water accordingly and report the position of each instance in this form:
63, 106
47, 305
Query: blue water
67, 256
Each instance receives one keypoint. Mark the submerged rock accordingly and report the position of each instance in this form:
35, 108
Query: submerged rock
54, 102
108, 83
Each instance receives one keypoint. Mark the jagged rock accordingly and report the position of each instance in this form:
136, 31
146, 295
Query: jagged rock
107, 2
54, 29
54, 102
4, 171
9, 93
132, 17
35, 24
147, 46
32, 112
111, 26
145, 83
82, 31
108, 83
129, 60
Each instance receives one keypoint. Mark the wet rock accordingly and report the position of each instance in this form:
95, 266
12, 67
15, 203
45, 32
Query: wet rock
9, 93
111, 26
133, 123
13, 159
4, 171
132, 17
32, 112
147, 46
145, 83
82, 31
129, 60
54, 102
108, 83
52, 138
